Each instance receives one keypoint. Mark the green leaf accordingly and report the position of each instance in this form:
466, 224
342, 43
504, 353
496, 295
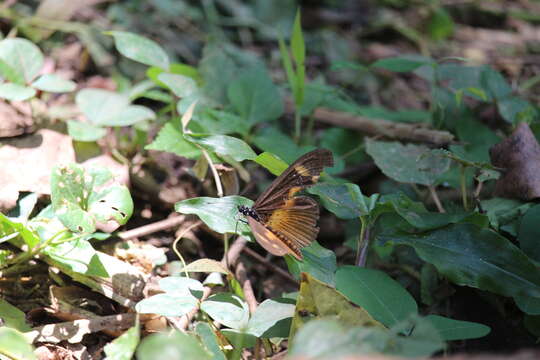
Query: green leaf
181, 285
271, 162
223, 145
403, 63
451, 329
287, 64
220, 214
514, 109
181, 86
77, 255
529, 233
16, 92
14, 345
299, 53
227, 309
494, 83
318, 261
79, 206
210, 340
171, 139
130, 115
99, 105
254, 97
272, 140
407, 163
268, 316
9, 227
85, 132
239, 339
167, 304
344, 200
440, 25
219, 122
54, 83
23, 56
123, 347
140, 49
382, 297
475, 257
175, 345
13, 317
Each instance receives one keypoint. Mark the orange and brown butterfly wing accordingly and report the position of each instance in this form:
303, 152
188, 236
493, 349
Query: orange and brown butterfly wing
288, 223
303, 173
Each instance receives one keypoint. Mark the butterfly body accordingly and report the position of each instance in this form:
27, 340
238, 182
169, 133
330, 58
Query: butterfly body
282, 222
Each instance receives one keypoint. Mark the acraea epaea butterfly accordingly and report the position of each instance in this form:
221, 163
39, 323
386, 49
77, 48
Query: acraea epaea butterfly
281, 222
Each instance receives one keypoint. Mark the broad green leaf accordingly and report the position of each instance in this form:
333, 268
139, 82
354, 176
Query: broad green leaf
318, 261
54, 83
407, 163
317, 299
227, 309
494, 83
529, 233
271, 162
10, 74
223, 145
181, 285
130, 115
471, 256
514, 109
9, 227
267, 316
180, 85
440, 25
79, 206
527, 304
451, 329
84, 131
171, 139
345, 200
380, 295
218, 122
140, 49
123, 347
99, 105
254, 97
175, 345
23, 56
205, 265
14, 345
210, 340
272, 140
239, 339
403, 63
78, 255
504, 214
220, 214
16, 92
13, 317
167, 304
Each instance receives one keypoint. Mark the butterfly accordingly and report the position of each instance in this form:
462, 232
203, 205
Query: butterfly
281, 222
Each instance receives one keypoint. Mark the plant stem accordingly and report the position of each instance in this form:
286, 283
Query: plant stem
463, 187
436, 199
297, 124
363, 243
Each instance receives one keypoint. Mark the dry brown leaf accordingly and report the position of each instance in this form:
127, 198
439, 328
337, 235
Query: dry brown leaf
27, 163
519, 157
13, 122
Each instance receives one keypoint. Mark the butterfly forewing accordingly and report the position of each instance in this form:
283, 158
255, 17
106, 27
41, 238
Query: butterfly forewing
303, 173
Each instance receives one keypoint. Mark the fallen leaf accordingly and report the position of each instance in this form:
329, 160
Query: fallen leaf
27, 162
519, 157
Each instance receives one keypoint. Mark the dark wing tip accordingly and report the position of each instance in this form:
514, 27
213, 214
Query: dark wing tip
326, 156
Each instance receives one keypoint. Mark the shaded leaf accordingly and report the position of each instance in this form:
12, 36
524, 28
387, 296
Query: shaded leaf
403, 63
529, 233
268, 314
220, 214
318, 261
380, 295
407, 163
451, 329
475, 257
54, 83
140, 49
85, 132
175, 345
22, 56
123, 347
210, 340
227, 309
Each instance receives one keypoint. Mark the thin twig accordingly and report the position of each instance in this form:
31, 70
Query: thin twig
152, 228
217, 180
436, 199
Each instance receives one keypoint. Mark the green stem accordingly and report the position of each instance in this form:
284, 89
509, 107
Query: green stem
297, 124
463, 187
363, 242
